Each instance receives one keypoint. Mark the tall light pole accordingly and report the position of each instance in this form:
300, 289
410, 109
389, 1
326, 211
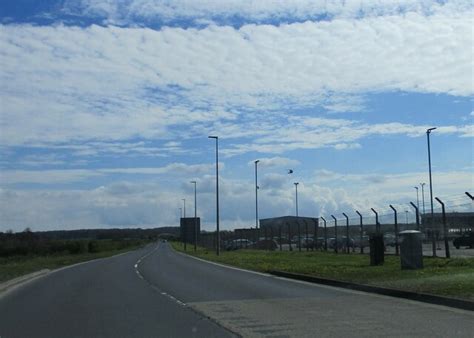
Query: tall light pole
428, 132
423, 196
180, 212
417, 199
184, 207
218, 237
296, 188
406, 216
195, 216
256, 195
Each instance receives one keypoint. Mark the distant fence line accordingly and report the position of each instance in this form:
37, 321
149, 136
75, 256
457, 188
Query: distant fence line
303, 233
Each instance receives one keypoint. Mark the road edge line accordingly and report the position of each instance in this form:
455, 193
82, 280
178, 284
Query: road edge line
223, 265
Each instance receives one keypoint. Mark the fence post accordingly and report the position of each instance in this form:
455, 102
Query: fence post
325, 235
396, 229
315, 235
306, 239
289, 236
417, 216
335, 233
299, 235
445, 231
361, 232
279, 234
377, 225
347, 232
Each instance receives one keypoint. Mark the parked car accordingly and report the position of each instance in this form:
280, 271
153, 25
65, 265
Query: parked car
264, 244
466, 239
320, 243
389, 239
361, 243
307, 242
237, 244
332, 243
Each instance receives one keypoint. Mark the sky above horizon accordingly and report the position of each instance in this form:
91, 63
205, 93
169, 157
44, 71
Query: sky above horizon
106, 107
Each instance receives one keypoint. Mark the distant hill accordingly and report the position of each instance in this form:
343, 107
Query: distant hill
116, 233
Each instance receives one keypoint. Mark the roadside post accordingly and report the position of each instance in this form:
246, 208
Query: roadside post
335, 233
445, 230
396, 229
361, 232
347, 232
325, 235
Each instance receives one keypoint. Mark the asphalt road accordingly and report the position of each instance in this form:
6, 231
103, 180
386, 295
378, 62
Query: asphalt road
102, 298
156, 292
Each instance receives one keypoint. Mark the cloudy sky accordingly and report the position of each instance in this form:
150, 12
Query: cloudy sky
106, 106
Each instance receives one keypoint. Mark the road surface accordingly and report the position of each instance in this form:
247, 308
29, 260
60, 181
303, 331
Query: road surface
156, 292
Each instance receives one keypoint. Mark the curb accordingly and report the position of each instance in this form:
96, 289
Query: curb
5, 286
420, 297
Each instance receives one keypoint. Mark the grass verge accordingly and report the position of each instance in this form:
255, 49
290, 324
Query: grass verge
445, 277
15, 266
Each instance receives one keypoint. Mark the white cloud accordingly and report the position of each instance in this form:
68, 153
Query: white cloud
344, 146
277, 161
149, 204
203, 11
175, 82
57, 176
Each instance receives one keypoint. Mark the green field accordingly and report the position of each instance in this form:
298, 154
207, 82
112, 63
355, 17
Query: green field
15, 266
448, 277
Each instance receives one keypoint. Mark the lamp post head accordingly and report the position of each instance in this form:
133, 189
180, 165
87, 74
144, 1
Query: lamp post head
422, 184
429, 130
296, 183
416, 188
216, 137
193, 182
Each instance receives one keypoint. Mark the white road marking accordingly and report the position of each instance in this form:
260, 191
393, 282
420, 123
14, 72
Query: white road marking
174, 299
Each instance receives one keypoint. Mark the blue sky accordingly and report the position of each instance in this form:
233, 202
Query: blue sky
106, 107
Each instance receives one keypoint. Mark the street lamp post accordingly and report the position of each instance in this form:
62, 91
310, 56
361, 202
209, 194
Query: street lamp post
296, 189
428, 132
184, 207
217, 195
256, 195
195, 216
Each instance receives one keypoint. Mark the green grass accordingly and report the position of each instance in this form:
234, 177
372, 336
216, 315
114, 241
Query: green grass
11, 267
447, 277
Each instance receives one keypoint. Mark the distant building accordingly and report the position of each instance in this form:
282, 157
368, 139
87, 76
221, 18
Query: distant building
187, 226
456, 221
297, 225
